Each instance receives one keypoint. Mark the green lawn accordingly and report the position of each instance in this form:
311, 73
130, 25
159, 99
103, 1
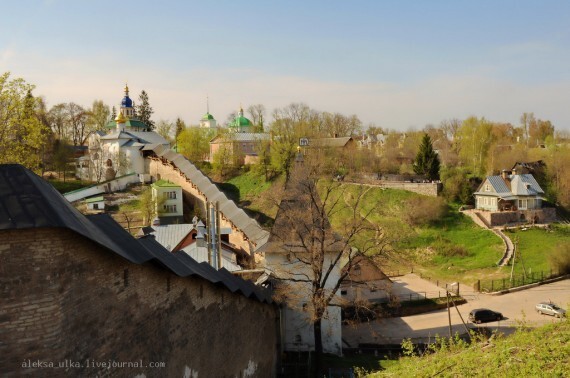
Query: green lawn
536, 245
452, 247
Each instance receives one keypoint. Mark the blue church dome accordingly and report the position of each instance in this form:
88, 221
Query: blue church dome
127, 102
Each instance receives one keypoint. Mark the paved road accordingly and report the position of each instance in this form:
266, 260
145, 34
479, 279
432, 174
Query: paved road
516, 307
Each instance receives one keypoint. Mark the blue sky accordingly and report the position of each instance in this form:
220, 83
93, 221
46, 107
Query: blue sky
398, 64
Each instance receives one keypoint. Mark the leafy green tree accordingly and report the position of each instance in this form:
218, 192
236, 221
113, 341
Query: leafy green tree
427, 161
22, 134
164, 129
98, 116
194, 143
144, 110
475, 137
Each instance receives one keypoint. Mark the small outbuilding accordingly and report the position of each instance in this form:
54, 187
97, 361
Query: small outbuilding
95, 203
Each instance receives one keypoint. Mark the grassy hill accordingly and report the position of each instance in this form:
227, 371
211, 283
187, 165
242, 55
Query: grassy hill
540, 352
422, 232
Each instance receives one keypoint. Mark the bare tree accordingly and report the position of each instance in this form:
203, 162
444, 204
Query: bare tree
305, 255
257, 114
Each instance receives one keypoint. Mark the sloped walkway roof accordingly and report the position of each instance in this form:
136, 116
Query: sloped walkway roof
251, 229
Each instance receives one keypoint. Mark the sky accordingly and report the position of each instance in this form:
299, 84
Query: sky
397, 64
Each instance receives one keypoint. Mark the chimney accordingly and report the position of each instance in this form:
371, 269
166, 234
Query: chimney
504, 174
514, 171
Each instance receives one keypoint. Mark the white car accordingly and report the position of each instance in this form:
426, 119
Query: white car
550, 309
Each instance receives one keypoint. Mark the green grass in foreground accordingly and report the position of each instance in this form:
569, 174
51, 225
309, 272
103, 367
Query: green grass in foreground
541, 352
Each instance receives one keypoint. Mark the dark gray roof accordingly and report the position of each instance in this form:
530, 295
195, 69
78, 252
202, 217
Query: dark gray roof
27, 201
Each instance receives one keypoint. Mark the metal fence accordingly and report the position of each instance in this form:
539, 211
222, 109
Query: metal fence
517, 281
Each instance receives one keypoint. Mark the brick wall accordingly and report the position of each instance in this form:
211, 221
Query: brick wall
64, 300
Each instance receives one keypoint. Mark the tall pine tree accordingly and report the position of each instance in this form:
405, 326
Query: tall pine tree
180, 126
427, 161
144, 110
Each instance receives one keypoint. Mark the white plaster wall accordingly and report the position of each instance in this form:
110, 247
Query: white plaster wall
296, 320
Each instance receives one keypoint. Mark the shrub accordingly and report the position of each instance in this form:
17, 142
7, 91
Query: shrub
425, 210
560, 259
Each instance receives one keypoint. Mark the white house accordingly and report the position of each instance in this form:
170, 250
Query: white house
167, 197
509, 192
512, 198
95, 203
291, 257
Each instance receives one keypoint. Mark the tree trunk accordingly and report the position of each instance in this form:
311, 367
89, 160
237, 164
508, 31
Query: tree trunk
318, 347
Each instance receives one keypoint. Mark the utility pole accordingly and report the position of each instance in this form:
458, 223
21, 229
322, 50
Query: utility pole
448, 312
514, 258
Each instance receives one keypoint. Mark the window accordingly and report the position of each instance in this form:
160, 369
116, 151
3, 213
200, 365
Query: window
343, 292
96, 206
169, 208
169, 195
487, 188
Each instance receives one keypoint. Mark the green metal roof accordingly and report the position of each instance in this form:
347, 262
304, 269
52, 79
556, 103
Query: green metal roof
94, 199
240, 121
165, 184
207, 116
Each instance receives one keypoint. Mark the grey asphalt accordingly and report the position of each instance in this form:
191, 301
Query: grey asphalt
517, 307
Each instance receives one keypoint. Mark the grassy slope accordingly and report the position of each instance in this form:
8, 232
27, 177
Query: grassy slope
541, 352
422, 244
254, 194
534, 244
69, 185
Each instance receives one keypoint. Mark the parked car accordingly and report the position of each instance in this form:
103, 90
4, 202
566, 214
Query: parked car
550, 309
482, 315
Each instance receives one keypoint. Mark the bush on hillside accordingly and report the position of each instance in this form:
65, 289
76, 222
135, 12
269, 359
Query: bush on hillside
560, 259
425, 210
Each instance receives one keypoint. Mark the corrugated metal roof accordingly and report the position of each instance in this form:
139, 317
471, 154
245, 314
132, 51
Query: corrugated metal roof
240, 137
329, 142
27, 201
171, 235
498, 184
521, 185
525, 185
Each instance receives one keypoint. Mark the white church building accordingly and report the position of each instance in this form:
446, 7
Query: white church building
118, 151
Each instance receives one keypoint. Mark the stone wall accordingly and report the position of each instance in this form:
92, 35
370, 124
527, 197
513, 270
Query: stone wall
65, 300
426, 188
500, 218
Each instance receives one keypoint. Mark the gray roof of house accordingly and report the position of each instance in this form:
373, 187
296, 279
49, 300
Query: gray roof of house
521, 185
240, 137
171, 235
142, 137
27, 201
329, 142
251, 229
